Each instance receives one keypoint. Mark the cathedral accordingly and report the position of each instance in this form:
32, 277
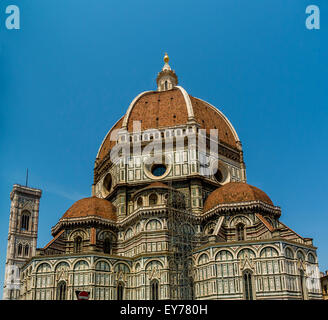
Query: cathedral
171, 216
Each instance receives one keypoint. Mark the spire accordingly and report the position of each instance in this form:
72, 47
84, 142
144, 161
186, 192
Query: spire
26, 177
166, 79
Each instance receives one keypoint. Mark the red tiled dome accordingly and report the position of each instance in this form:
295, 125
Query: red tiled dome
92, 206
161, 109
234, 192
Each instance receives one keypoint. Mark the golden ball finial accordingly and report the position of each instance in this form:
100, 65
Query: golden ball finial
166, 58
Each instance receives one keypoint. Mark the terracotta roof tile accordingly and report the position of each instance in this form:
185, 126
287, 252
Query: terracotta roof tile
108, 144
211, 119
265, 222
92, 206
55, 238
234, 192
161, 109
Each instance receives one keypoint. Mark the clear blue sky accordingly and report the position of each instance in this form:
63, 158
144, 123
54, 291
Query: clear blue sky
75, 65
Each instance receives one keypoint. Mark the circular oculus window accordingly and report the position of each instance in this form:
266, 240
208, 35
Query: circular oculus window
108, 182
158, 170
218, 176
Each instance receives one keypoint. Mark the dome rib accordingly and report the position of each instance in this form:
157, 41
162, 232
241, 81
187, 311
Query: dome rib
107, 143
132, 104
229, 124
189, 106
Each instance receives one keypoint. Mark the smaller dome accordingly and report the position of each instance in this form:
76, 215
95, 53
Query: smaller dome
234, 192
92, 206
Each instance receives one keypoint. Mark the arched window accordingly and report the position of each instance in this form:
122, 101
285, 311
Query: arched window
107, 245
154, 265
122, 267
128, 234
289, 253
43, 268
203, 259
102, 290
120, 291
138, 227
165, 85
26, 250
81, 266
139, 202
153, 224
25, 220
248, 289
138, 267
300, 255
240, 228
269, 252
290, 266
77, 244
81, 277
311, 258
152, 199
242, 254
102, 266
61, 290
224, 255
43, 282
20, 249
224, 267
154, 290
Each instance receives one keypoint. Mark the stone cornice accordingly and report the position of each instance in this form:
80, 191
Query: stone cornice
251, 242
233, 207
69, 222
163, 210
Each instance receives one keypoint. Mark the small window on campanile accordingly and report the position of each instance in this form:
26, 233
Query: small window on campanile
25, 221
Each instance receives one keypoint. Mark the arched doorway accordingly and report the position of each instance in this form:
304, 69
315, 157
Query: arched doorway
154, 290
120, 291
61, 290
248, 285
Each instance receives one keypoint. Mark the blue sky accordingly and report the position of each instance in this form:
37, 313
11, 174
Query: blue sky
75, 65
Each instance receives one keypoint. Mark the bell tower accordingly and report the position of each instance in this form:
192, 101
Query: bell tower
22, 235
